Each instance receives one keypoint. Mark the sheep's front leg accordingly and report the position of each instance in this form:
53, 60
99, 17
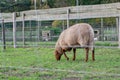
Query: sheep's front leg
87, 50
74, 54
93, 55
65, 56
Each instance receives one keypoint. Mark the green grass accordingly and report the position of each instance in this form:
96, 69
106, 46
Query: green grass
40, 64
107, 43
52, 43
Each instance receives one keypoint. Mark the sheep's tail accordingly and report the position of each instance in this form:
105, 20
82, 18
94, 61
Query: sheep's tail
91, 39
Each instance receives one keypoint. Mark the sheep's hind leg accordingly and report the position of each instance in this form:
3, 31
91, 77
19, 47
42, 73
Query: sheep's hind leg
87, 50
74, 54
66, 56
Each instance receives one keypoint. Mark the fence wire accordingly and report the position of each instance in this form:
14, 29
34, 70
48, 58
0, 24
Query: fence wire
40, 38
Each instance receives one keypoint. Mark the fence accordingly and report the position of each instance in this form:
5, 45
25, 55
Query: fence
37, 37
28, 25
34, 33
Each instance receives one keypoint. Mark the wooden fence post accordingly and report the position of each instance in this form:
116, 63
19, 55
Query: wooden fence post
3, 34
14, 30
23, 28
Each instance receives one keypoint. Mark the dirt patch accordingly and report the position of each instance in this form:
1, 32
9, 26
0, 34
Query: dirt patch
71, 78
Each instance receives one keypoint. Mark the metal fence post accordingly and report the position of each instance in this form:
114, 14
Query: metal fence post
3, 34
119, 31
68, 11
14, 30
102, 30
23, 28
38, 24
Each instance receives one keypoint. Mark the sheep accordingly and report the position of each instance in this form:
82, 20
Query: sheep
79, 35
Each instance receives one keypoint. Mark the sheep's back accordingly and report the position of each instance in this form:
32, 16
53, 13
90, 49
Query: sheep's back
78, 34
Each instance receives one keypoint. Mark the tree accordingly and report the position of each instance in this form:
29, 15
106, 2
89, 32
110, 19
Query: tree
12, 6
56, 23
109, 1
51, 3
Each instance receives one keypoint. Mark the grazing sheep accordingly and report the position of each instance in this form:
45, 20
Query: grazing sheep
76, 36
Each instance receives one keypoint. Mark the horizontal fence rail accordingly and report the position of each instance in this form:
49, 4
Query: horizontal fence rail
76, 12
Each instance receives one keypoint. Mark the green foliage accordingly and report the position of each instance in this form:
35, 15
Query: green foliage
55, 30
89, 2
110, 21
57, 23
109, 1
51, 3
11, 5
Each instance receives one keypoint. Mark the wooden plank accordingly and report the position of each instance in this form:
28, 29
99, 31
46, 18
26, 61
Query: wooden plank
92, 11
76, 16
84, 8
44, 17
6, 15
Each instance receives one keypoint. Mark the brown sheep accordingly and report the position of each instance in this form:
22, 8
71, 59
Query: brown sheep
78, 35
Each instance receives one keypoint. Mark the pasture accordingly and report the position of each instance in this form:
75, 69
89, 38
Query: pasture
34, 60
38, 63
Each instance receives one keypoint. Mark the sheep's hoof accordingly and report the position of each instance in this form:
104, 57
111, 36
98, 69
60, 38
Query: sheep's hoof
73, 59
86, 60
93, 60
58, 60
67, 58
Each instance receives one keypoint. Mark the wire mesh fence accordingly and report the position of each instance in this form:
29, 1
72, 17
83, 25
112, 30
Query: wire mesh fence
35, 33
34, 56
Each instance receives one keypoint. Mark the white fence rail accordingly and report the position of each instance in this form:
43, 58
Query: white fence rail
76, 12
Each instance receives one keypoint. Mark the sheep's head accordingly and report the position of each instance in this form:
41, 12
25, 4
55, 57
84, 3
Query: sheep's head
58, 55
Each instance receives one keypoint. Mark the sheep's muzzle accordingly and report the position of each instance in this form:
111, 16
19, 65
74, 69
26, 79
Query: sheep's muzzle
57, 55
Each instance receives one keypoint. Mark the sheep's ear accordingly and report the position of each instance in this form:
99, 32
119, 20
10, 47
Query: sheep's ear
57, 55
56, 52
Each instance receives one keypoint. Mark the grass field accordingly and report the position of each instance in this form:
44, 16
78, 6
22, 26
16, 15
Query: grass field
40, 64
